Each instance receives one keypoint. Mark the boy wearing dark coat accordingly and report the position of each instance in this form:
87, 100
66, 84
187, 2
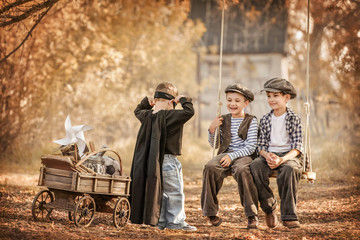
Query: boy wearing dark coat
280, 148
156, 189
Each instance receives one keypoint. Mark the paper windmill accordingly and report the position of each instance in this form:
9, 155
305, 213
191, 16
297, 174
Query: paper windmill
74, 134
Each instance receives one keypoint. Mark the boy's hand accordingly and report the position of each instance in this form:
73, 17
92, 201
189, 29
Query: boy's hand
225, 161
215, 124
177, 99
273, 160
151, 101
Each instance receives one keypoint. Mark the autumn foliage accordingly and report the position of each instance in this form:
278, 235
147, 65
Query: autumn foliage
93, 60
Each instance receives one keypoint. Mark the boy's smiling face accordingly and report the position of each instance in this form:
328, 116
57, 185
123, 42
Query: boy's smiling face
277, 100
235, 103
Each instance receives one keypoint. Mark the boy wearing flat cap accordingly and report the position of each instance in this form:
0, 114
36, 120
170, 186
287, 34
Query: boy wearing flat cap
280, 148
238, 137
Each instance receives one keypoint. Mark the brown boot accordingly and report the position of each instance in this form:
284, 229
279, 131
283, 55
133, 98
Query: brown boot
271, 219
291, 224
253, 222
215, 220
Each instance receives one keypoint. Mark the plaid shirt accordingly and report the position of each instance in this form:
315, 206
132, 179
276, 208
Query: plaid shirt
293, 128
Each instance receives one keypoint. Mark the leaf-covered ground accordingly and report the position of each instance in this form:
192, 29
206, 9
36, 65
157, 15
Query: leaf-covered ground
327, 210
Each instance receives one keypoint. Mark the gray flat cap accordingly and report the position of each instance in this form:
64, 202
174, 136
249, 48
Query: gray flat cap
242, 90
279, 85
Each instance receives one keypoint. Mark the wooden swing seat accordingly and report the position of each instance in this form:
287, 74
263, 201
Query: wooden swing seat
310, 176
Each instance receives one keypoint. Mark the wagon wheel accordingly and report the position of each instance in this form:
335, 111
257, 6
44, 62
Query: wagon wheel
70, 214
84, 211
121, 212
38, 209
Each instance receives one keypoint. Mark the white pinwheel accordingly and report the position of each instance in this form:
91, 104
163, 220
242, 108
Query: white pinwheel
74, 135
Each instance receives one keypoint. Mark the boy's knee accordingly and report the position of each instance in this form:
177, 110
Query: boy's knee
209, 167
290, 169
241, 169
256, 164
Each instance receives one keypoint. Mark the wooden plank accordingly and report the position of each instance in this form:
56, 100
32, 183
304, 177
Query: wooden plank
57, 161
118, 191
102, 184
57, 185
89, 188
119, 184
86, 182
103, 181
59, 172
60, 179
108, 177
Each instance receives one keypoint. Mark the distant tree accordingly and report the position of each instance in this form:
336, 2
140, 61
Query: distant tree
334, 51
18, 19
94, 60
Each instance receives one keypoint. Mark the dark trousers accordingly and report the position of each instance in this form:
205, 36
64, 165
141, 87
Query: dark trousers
213, 177
288, 178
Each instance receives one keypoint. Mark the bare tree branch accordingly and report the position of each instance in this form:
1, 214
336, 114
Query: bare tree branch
29, 33
14, 4
28, 12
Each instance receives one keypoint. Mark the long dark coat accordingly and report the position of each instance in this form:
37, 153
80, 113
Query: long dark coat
159, 134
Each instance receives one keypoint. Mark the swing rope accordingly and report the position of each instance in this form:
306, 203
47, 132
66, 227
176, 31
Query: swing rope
220, 74
307, 149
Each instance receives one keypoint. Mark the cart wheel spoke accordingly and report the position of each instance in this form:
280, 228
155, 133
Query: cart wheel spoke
121, 212
71, 214
84, 211
46, 197
38, 208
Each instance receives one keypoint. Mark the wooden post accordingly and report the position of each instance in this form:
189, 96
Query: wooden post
78, 183
127, 187
95, 184
111, 184
73, 181
41, 177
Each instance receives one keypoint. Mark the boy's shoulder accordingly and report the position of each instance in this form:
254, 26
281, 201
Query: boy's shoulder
266, 116
292, 114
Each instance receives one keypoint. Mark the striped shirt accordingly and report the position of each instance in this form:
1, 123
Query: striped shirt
238, 147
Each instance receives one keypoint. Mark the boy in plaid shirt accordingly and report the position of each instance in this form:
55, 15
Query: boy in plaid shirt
280, 148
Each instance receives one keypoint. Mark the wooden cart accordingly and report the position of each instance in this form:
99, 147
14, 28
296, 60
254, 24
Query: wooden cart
81, 192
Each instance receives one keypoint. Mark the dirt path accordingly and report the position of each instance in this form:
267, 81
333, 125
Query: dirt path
327, 210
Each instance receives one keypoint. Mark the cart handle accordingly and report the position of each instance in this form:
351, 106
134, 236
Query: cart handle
98, 151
